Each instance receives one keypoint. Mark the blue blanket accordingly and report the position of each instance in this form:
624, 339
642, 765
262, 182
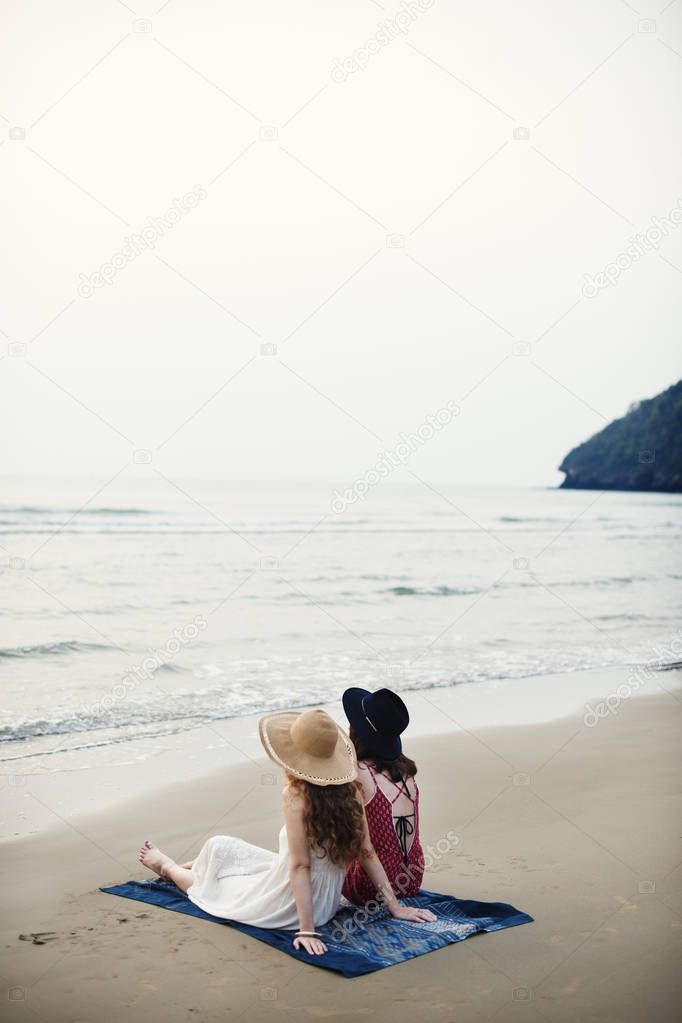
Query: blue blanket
356, 946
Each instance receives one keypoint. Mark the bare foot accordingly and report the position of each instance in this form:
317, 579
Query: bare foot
154, 859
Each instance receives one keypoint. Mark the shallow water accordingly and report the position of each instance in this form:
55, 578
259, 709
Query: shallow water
152, 609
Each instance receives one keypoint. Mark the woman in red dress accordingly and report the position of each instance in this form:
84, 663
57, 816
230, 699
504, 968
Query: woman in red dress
390, 793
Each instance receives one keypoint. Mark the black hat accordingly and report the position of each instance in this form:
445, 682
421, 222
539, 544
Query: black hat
377, 719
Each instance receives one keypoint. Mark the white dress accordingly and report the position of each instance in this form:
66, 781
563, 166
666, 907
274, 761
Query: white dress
239, 881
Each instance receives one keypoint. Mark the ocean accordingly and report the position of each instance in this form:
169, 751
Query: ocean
158, 606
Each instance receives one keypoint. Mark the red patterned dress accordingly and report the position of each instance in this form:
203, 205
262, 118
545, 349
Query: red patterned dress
395, 838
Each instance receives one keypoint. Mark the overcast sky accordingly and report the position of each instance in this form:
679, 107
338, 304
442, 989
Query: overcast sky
404, 200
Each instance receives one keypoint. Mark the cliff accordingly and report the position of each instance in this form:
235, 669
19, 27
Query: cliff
641, 451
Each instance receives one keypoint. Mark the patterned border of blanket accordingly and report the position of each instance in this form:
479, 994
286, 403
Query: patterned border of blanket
355, 949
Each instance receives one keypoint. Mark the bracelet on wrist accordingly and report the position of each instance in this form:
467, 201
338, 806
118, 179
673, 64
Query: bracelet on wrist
307, 934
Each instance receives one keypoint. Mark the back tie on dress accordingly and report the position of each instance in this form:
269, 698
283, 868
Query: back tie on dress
403, 823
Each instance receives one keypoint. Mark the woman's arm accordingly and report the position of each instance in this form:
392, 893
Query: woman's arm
299, 872
372, 866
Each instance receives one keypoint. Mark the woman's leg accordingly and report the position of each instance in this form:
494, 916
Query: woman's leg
155, 860
182, 877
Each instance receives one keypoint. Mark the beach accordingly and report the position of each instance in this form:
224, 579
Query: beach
574, 822
535, 640
326, 343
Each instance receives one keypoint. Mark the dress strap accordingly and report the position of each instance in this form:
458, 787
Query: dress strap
368, 797
402, 790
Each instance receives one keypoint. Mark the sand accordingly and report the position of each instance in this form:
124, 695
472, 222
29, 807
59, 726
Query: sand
577, 826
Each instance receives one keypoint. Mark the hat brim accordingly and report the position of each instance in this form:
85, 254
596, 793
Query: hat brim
373, 742
275, 735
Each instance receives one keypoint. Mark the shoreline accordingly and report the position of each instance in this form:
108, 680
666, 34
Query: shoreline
89, 781
574, 825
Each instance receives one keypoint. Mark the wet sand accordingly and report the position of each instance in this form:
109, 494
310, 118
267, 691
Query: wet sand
577, 826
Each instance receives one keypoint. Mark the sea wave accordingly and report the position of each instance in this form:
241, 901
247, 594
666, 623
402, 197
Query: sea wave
613, 580
65, 646
547, 520
432, 591
38, 509
185, 709
169, 527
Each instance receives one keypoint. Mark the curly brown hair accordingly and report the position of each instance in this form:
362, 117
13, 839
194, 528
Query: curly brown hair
333, 817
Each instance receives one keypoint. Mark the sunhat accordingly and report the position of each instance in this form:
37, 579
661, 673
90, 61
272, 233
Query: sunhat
310, 746
378, 719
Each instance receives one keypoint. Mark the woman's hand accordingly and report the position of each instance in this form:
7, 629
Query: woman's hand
413, 914
314, 946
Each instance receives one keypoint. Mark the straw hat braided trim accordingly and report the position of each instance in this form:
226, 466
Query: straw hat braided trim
315, 779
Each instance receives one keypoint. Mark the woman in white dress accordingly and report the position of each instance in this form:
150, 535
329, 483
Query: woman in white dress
299, 887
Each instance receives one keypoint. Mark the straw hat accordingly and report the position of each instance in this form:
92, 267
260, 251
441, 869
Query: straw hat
310, 746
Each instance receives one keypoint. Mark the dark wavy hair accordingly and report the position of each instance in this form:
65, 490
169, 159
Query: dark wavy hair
333, 817
397, 770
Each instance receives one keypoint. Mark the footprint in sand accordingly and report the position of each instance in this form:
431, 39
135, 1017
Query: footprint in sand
39, 937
